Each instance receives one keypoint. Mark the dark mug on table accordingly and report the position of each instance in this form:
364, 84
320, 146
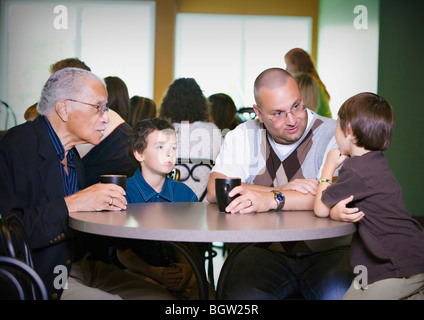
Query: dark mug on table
119, 179
222, 188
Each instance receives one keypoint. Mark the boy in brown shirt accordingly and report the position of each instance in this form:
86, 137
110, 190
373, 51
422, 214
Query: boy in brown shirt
388, 246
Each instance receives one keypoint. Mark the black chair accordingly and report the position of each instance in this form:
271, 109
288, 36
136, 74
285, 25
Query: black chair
8, 111
245, 114
17, 266
195, 174
18, 281
14, 238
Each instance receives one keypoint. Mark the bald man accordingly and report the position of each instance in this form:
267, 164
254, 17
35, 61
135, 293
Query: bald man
279, 158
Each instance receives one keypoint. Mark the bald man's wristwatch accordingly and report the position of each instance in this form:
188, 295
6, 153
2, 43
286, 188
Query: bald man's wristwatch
279, 198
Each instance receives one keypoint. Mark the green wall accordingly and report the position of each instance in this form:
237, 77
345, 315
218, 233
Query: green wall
347, 58
401, 82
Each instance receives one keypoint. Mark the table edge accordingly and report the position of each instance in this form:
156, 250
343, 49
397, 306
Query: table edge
237, 236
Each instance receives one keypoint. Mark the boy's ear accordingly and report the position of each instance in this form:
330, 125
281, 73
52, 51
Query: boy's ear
349, 133
348, 130
138, 156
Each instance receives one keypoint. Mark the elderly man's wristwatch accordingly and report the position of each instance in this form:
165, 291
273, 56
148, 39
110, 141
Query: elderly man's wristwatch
279, 198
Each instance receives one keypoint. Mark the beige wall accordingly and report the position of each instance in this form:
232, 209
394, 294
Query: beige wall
166, 11
164, 47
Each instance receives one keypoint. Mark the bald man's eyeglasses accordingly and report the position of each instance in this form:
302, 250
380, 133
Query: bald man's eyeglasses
102, 109
281, 116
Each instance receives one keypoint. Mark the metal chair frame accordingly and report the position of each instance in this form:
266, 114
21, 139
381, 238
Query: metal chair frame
9, 111
16, 255
14, 238
21, 277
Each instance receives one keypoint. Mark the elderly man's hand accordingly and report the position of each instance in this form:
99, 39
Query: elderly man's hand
98, 197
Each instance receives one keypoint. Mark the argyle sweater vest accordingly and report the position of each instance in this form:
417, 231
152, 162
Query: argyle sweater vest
279, 172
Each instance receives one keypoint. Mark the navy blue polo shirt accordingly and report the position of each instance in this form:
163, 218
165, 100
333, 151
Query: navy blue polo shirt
139, 191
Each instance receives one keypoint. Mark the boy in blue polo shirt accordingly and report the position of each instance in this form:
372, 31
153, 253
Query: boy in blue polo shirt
153, 145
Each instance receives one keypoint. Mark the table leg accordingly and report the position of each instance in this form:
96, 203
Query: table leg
226, 267
197, 265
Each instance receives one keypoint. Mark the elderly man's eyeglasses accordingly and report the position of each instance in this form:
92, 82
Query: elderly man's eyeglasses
102, 109
280, 116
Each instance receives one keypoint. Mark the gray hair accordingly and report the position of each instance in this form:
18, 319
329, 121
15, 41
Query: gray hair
61, 85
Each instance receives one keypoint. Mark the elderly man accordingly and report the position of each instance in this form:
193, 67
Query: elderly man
41, 176
279, 158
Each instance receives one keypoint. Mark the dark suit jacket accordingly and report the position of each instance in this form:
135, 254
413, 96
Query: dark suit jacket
31, 186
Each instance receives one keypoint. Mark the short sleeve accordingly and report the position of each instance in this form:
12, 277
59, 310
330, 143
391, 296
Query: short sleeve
347, 184
233, 156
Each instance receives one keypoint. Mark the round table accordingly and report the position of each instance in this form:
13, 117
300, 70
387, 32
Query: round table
181, 223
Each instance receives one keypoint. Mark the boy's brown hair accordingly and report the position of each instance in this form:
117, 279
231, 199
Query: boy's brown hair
371, 118
142, 129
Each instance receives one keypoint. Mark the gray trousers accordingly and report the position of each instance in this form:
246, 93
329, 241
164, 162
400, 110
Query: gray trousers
411, 288
95, 280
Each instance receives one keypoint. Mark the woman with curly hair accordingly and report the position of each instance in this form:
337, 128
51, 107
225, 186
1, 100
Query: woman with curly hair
186, 107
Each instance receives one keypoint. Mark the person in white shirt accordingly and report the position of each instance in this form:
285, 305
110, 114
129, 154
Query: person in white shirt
279, 158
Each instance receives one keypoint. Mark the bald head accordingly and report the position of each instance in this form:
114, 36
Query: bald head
277, 94
273, 78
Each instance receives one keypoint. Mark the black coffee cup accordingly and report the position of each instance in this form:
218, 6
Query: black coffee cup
119, 179
222, 188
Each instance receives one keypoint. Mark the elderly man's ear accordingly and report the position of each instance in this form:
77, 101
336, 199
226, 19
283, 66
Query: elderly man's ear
62, 110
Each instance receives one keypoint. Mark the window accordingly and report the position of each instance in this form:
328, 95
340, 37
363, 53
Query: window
114, 38
225, 53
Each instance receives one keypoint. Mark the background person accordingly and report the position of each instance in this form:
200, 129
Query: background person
110, 156
141, 108
308, 89
31, 113
185, 106
118, 97
222, 112
298, 60
68, 63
